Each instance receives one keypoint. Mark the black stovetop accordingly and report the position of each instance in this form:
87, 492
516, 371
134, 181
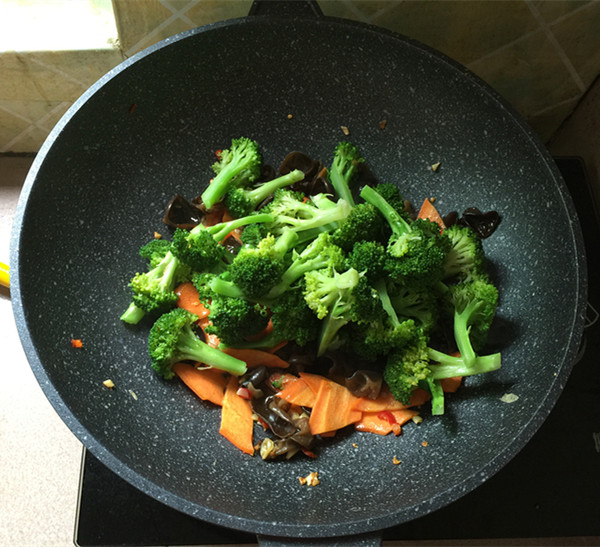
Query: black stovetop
551, 489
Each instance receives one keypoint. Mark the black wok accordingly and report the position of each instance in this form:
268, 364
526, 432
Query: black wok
147, 131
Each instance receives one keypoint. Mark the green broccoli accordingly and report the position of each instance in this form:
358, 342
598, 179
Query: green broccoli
240, 163
344, 169
330, 295
363, 223
391, 193
155, 250
475, 303
293, 212
255, 270
465, 256
172, 339
416, 303
416, 250
320, 253
369, 258
406, 368
153, 290
200, 247
233, 320
241, 201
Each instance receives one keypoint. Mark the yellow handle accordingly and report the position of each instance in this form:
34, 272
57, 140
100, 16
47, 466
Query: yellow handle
4, 275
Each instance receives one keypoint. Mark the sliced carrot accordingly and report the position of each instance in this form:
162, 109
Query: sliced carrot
385, 401
257, 357
429, 212
237, 425
374, 422
297, 392
188, 299
332, 409
208, 384
313, 381
450, 385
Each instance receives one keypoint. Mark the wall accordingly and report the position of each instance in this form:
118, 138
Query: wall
541, 55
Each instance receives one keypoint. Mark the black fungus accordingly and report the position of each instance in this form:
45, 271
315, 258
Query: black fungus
181, 213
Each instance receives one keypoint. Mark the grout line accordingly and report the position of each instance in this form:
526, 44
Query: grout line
181, 14
140, 44
57, 70
34, 125
573, 99
552, 38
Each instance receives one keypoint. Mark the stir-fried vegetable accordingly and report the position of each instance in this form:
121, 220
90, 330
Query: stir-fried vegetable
311, 300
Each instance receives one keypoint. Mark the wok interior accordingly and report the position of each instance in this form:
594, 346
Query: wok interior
98, 191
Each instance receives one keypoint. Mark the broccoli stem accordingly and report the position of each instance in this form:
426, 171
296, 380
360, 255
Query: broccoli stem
398, 224
133, 315
381, 288
437, 396
219, 231
461, 332
267, 188
225, 287
190, 347
450, 366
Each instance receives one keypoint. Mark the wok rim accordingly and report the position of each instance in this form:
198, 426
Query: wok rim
265, 527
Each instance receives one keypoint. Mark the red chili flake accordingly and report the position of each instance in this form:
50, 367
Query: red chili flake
76, 343
244, 393
308, 453
218, 153
387, 416
264, 424
132, 108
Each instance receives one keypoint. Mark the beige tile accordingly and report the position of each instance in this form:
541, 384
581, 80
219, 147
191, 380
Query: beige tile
579, 37
52, 75
463, 30
529, 74
546, 122
212, 11
136, 19
551, 10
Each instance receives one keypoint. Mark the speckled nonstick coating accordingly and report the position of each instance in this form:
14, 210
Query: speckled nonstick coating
97, 191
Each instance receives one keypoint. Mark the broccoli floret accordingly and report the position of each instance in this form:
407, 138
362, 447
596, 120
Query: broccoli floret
369, 258
155, 250
253, 234
465, 257
202, 281
381, 336
241, 201
416, 303
416, 250
406, 368
292, 319
153, 290
233, 320
200, 248
293, 212
363, 223
330, 295
255, 270
344, 169
391, 193
475, 303
173, 339
320, 253
241, 162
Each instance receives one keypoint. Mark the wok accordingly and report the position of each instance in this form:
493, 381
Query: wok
148, 129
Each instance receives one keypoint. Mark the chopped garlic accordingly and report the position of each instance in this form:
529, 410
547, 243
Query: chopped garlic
157, 235
396, 461
436, 166
509, 398
109, 383
345, 130
417, 419
312, 479
132, 393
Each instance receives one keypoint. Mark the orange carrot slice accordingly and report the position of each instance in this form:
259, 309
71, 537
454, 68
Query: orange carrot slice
333, 408
257, 357
297, 392
237, 425
451, 385
429, 212
188, 299
208, 384
374, 422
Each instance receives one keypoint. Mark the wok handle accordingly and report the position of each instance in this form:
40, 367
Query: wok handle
288, 8
372, 539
